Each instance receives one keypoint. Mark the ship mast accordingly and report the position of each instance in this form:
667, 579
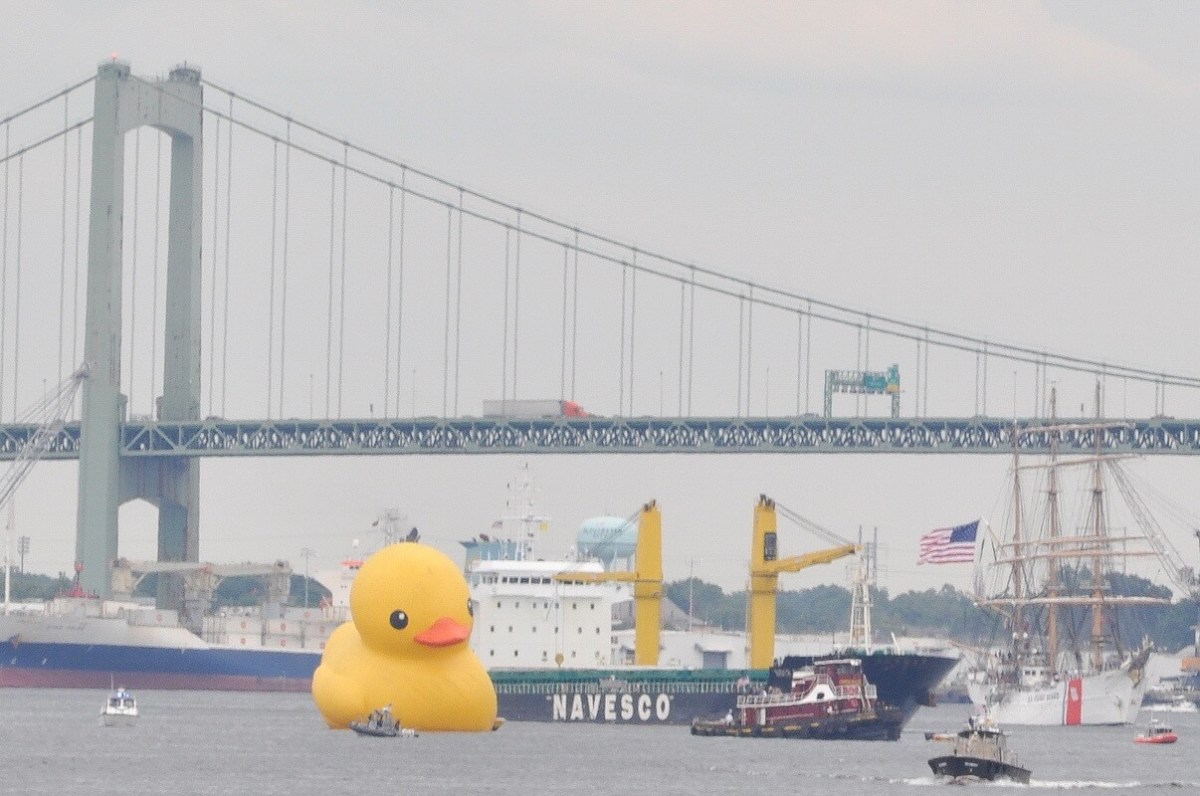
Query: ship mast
1018, 588
1055, 532
860, 603
1100, 564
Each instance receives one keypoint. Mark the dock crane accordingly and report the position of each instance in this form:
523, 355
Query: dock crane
765, 567
50, 415
647, 580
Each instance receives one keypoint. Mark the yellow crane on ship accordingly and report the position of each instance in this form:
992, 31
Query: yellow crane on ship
765, 568
647, 580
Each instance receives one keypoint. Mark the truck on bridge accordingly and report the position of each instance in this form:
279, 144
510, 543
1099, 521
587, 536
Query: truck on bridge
533, 409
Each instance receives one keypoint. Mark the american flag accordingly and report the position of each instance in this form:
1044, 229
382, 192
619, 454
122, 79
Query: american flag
949, 545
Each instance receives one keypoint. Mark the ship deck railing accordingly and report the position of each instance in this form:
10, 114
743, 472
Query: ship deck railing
622, 687
856, 691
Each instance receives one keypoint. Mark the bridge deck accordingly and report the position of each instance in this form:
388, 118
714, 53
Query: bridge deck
612, 435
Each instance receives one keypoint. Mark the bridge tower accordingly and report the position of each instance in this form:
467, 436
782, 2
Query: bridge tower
172, 106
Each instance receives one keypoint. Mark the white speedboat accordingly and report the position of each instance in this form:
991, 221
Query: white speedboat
120, 709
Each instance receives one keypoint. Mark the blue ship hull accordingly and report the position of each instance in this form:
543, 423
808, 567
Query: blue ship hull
212, 668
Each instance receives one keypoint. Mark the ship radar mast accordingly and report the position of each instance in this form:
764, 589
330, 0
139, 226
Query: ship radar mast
865, 568
522, 511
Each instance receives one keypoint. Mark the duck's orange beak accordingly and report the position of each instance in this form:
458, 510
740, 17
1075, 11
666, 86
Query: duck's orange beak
443, 633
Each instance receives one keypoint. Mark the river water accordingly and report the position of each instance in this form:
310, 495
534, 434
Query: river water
219, 743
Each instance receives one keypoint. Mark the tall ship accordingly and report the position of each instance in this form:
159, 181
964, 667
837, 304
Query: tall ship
545, 628
1060, 583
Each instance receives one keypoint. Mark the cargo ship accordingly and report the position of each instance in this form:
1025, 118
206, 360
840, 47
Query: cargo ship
82, 641
546, 631
570, 665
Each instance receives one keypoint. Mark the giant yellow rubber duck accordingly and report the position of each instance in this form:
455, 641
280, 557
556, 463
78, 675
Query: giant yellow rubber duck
406, 646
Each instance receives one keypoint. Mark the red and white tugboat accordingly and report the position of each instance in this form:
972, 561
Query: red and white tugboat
830, 699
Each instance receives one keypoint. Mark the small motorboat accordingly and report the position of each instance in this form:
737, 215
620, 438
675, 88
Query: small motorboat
120, 709
1156, 732
382, 724
980, 753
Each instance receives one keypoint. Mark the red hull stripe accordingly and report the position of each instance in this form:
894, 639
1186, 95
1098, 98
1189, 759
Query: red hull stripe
1074, 701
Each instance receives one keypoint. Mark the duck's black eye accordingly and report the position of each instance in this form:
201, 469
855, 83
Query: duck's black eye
399, 620
470, 608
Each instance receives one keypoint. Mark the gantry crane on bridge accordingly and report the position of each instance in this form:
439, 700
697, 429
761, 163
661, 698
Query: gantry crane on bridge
647, 580
765, 567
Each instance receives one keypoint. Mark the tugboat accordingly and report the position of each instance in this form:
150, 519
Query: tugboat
980, 753
382, 724
829, 700
1156, 732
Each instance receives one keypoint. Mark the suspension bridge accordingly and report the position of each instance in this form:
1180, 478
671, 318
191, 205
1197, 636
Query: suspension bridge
242, 263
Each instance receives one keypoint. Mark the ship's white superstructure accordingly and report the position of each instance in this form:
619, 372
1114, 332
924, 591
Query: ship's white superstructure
524, 618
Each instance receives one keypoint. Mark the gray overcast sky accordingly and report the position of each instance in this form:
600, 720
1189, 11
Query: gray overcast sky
1025, 171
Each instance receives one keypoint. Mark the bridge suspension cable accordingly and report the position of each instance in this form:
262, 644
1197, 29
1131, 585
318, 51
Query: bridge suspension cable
589, 243
62, 251
941, 338
271, 278
787, 300
283, 292
155, 265
46, 101
225, 289
133, 252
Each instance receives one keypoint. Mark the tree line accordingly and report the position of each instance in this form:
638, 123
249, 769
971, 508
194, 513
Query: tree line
945, 613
